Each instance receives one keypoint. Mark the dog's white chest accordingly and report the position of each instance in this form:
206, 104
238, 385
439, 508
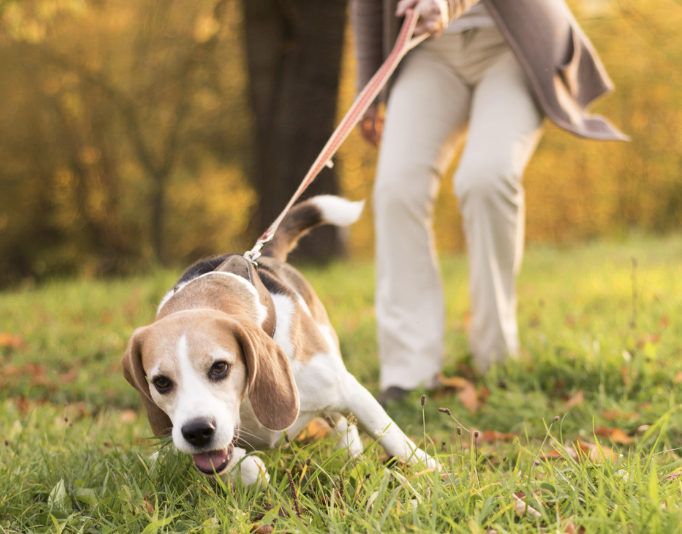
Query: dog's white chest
255, 436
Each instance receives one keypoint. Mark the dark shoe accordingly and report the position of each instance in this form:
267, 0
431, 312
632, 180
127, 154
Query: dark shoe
391, 394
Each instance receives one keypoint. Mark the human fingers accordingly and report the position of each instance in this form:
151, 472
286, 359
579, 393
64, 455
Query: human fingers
371, 125
404, 5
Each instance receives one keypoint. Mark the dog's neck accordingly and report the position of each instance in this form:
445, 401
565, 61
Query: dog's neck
225, 292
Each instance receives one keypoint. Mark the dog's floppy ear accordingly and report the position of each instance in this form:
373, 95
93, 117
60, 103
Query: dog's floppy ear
134, 374
272, 390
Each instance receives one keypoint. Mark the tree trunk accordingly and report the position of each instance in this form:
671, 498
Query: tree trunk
294, 50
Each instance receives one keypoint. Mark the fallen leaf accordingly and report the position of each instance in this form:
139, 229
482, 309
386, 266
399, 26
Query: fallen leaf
149, 507
77, 410
612, 415
456, 382
490, 436
67, 378
23, 405
557, 454
11, 370
678, 377
469, 398
596, 453
44, 382
316, 429
35, 369
522, 508
262, 529
673, 476
570, 528
614, 434
582, 451
128, 416
575, 400
8, 340
641, 429
664, 321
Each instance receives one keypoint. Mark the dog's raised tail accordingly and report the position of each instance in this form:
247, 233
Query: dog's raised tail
306, 215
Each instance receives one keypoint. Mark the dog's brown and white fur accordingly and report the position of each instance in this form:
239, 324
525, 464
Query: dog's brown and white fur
237, 357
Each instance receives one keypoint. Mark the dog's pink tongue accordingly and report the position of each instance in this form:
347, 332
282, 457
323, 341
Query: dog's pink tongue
208, 461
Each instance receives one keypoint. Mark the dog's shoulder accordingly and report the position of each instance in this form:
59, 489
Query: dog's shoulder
276, 274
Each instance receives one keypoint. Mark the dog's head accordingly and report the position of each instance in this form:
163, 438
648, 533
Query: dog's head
193, 368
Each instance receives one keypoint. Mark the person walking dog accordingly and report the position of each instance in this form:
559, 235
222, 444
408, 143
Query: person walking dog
491, 72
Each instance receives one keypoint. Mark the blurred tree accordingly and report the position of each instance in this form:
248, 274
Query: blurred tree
107, 105
294, 50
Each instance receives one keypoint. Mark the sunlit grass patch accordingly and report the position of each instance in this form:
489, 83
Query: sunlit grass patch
582, 432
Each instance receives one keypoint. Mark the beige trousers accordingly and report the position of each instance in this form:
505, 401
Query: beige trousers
461, 80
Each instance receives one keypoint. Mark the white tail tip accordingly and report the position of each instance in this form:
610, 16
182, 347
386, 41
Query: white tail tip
337, 210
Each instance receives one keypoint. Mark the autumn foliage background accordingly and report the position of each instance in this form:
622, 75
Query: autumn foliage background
107, 104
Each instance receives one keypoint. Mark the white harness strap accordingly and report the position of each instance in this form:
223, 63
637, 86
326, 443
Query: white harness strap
404, 43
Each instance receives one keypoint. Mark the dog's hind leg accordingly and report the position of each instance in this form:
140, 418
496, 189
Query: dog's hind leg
347, 434
250, 469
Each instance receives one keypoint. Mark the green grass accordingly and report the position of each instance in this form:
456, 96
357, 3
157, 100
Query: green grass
74, 458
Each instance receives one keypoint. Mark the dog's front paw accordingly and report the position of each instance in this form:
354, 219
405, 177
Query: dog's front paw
251, 469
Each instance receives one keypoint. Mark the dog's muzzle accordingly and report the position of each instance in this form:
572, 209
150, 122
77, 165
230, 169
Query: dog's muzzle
216, 461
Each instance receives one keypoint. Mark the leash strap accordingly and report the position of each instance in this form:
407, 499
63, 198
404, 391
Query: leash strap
404, 44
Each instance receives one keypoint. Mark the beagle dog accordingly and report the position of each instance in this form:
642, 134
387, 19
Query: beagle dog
241, 356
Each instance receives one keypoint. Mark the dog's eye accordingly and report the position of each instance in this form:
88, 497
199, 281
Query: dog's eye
219, 370
162, 384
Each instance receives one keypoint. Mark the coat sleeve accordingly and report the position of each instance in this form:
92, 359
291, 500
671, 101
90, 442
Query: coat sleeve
367, 20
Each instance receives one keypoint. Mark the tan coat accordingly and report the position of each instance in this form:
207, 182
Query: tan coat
563, 68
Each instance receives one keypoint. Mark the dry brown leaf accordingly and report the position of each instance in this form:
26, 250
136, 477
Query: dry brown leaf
316, 429
678, 377
456, 382
77, 410
522, 508
557, 454
614, 434
469, 398
149, 507
673, 476
569, 528
11, 370
8, 340
23, 404
67, 378
262, 529
612, 415
596, 453
128, 416
490, 436
575, 400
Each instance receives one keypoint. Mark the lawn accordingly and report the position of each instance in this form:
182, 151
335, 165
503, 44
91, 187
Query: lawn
581, 434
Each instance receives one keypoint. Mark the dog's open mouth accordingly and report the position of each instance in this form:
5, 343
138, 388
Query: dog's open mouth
214, 462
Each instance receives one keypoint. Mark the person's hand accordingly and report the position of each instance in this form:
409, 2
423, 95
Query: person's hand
434, 15
371, 125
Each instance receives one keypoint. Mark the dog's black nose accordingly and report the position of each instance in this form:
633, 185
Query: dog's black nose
199, 432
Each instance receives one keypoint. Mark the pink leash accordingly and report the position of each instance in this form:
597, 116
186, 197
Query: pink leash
404, 43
